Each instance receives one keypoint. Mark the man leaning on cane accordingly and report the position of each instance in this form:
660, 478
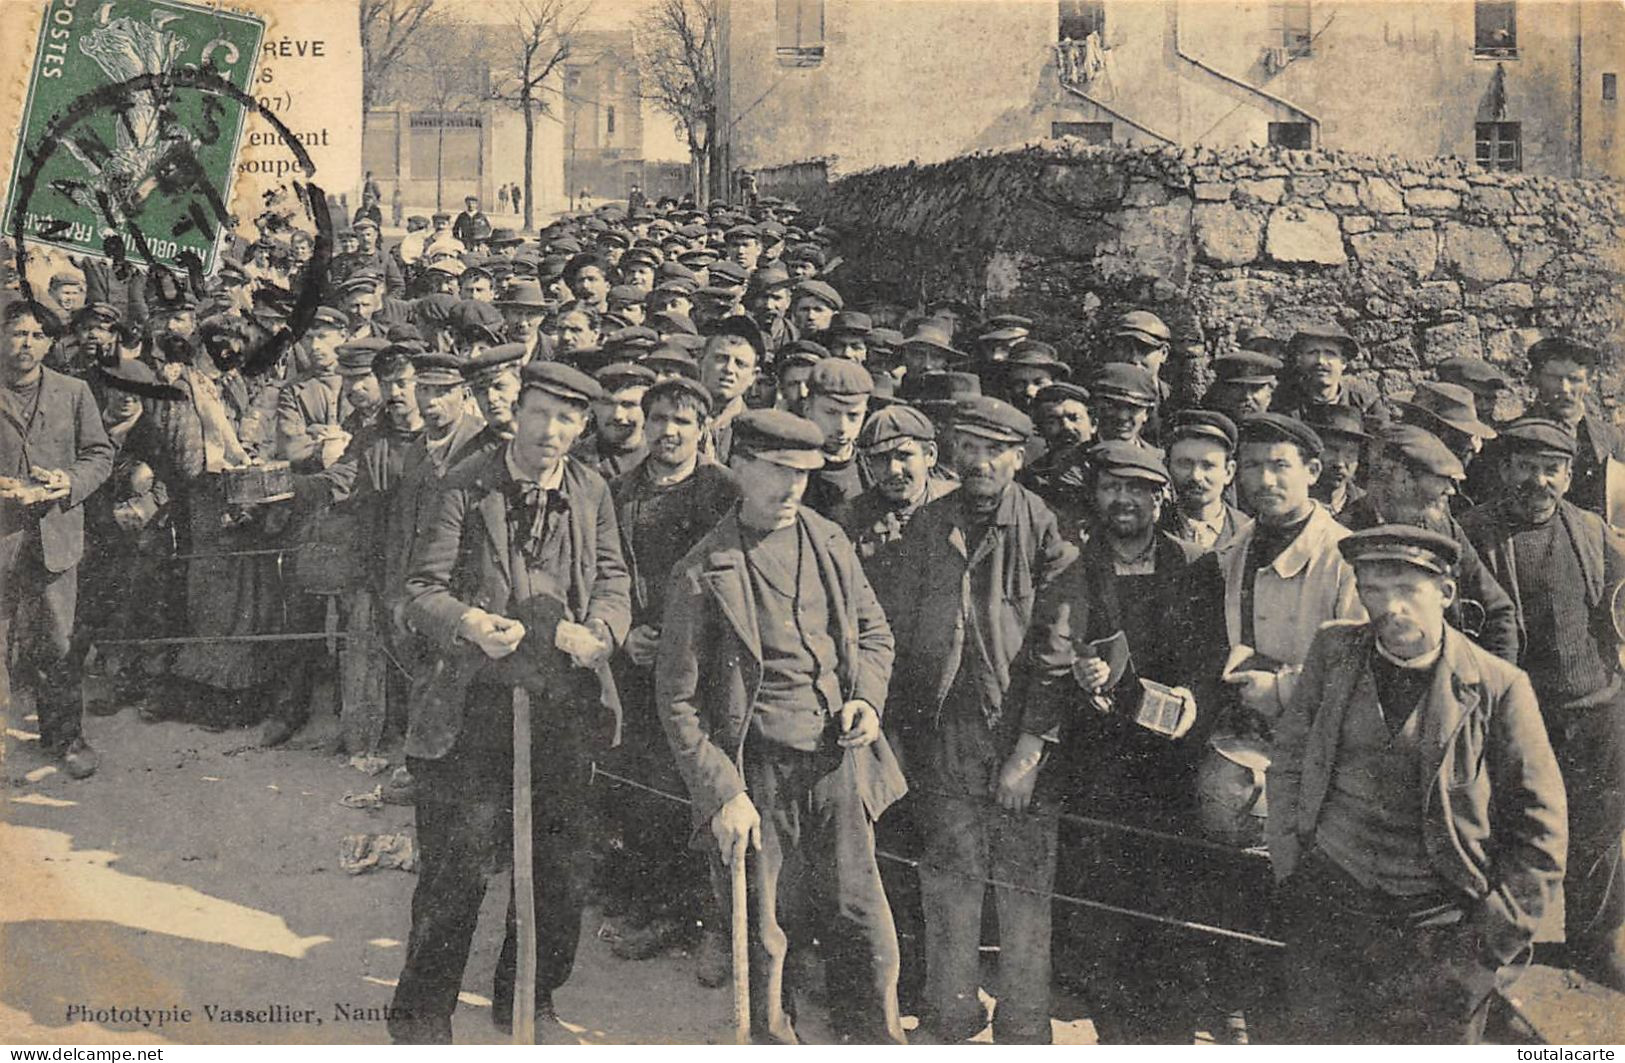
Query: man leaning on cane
771, 676
520, 530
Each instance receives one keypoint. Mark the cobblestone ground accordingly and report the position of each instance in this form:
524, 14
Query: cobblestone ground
197, 872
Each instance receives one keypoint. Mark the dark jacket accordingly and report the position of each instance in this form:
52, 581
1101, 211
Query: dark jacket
710, 663
1494, 814
64, 433
1474, 583
713, 493
462, 561
1025, 552
1602, 561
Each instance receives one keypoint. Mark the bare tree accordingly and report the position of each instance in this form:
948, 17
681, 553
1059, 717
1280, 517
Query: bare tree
446, 71
387, 27
538, 37
677, 60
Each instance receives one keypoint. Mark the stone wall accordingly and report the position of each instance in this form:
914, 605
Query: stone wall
1419, 259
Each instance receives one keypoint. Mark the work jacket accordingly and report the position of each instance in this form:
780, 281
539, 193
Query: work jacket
709, 668
66, 433
462, 560
1494, 813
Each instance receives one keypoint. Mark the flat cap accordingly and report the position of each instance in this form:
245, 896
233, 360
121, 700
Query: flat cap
740, 233
501, 358
1009, 321
1203, 424
885, 339
671, 388
103, 312
990, 418
890, 427
644, 256
136, 378
727, 274
356, 357
1037, 354
1003, 334
841, 378
668, 322
669, 360
1142, 325
1061, 392
1563, 347
1279, 428
625, 295
474, 320
1133, 461
742, 325
452, 267
364, 222
364, 279
1125, 382
780, 437
1435, 404
851, 323
438, 368
1251, 338
1328, 419
824, 293
1246, 367
685, 286
632, 340
1405, 543
564, 381
1475, 374
768, 278
617, 376
937, 335
1333, 332
329, 317
1422, 450
801, 352
1539, 435
435, 310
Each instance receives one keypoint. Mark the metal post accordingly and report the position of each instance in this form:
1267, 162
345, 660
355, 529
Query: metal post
524, 876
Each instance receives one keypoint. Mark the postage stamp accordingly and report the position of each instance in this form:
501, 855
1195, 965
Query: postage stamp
123, 143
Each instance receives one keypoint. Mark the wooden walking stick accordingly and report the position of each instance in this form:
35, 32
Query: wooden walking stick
741, 949
524, 876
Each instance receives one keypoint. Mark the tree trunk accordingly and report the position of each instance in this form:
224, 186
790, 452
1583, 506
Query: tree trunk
696, 171
439, 158
530, 162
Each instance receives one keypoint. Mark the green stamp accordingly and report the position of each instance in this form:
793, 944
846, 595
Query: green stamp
129, 137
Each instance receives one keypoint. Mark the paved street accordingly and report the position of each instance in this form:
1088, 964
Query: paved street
195, 871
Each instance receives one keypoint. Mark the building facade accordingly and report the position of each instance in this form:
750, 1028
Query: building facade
846, 85
602, 118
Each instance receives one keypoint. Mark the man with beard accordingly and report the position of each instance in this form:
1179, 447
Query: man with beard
1243, 384
838, 393
587, 275
1562, 565
523, 309
513, 529
1413, 481
1343, 441
1058, 475
767, 298
1562, 371
1124, 396
492, 377
1317, 358
728, 367
1133, 579
930, 349
618, 442
663, 506
1283, 576
54, 450
971, 565
94, 342
1202, 466
773, 670
310, 411
1415, 852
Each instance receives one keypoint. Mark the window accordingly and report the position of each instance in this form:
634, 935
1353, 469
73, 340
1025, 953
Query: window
1610, 87
801, 32
609, 115
1495, 28
1088, 132
1290, 22
1290, 135
1079, 18
1499, 145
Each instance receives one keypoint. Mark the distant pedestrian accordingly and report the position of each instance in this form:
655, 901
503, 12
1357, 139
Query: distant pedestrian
518, 198
502, 198
396, 207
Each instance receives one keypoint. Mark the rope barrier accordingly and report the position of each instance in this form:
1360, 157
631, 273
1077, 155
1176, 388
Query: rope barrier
1082, 902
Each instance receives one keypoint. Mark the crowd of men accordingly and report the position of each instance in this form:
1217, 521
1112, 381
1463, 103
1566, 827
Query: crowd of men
837, 574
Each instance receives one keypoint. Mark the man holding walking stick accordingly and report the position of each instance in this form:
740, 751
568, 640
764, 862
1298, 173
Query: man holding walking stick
517, 578
771, 676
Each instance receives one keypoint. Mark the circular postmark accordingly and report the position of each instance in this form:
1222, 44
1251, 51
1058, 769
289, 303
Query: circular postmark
173, 177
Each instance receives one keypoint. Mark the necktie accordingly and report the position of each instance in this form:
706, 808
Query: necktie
535, 508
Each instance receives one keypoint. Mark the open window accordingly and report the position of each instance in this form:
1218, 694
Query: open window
1495, 28
1499, 145
1290, 26
1079, 18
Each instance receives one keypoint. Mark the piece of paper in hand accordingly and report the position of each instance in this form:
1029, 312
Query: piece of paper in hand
1113, 649
577, 641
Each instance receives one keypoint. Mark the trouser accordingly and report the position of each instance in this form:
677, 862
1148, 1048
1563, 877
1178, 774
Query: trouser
362, 669
655, 871
1590, 749
816, 877
36, 636
898, 833
464, 825
1362, 967
970, 839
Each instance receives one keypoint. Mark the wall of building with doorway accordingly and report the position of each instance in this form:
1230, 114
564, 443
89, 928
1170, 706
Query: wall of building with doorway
472, 151
866, 83
602, 117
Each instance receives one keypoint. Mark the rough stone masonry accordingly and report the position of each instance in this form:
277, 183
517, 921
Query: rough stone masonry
1421, 259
